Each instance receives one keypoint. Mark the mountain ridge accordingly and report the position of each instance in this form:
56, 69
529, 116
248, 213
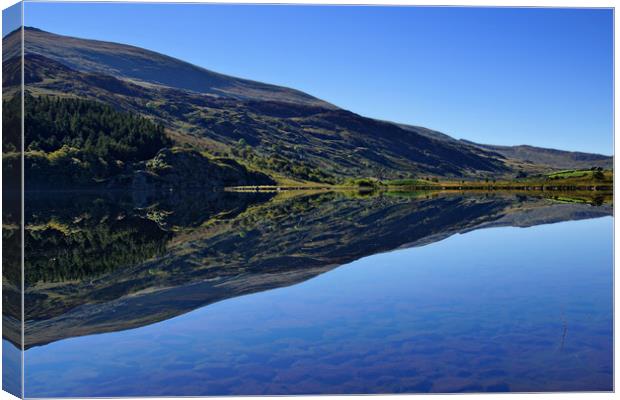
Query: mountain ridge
124, 60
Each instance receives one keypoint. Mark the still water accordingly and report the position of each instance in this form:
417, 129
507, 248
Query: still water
343, 295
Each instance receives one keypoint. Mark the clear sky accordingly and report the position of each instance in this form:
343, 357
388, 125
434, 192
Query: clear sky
11, 18
492, 75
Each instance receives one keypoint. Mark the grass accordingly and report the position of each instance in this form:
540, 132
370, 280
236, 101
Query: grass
560, 180
409, 182
579, 178
571, 173
568, 180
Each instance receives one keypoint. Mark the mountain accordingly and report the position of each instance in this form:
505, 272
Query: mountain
281, 132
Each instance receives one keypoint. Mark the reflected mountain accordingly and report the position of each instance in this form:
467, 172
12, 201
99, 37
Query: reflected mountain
103, 263
11, 267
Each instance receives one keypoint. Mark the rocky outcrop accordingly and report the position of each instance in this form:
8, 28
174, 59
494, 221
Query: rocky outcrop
180, 168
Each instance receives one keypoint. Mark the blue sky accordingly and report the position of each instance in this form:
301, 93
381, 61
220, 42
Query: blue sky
11, 18
492, 75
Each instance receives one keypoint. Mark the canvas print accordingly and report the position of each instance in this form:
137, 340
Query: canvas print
230, 199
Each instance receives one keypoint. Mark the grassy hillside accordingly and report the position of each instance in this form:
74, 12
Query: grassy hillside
71, 143
591, 179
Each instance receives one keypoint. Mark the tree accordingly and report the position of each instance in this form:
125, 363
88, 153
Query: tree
99, 137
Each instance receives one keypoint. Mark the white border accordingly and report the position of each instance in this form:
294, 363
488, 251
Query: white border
478, 3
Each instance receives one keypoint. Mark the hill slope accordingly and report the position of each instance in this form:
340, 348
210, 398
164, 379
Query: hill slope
279, 131
305, 142
131, 62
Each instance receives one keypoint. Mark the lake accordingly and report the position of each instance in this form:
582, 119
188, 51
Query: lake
247, 294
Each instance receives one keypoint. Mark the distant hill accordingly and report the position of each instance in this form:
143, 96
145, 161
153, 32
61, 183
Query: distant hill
550, 158
282, 132
556, 159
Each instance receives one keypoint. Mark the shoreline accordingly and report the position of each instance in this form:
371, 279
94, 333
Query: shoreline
413, 188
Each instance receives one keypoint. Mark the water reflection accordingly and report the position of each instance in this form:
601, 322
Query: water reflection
145, 260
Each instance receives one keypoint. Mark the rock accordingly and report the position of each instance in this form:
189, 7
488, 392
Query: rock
179, 168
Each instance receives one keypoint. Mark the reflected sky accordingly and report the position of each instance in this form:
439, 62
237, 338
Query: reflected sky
11, 368
500, 309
